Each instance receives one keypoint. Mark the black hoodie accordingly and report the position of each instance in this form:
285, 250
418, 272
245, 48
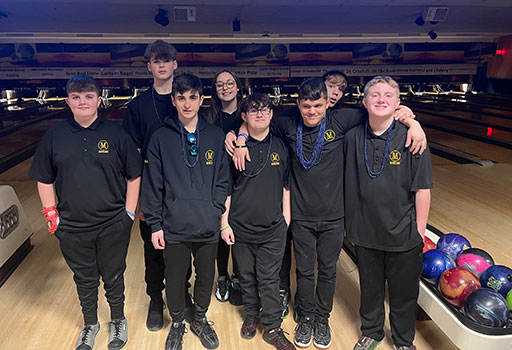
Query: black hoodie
186, 202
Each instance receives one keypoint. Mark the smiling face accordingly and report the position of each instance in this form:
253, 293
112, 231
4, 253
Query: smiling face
225, 87
84, 105
312, 111
162, 69
381, 100
187, 104
258, 118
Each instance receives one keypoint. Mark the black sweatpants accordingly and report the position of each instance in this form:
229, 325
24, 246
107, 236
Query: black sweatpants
259, 266
284, 274
154, 264
223, 251
177, 264
402, 271
320, 242
96, 253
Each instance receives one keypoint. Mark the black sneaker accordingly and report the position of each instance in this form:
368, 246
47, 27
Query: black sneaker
248, 330
304, 332
404, 347
236, 292
277, 338
155, 320
175, 337
284, 301
322, 338
87, 337
204, 330
223, 286
118, 334
189, 308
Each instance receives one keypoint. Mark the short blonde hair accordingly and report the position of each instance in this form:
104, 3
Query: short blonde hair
382, 79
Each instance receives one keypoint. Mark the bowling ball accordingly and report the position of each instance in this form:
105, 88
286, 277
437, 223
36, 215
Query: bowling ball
475, 260
487, 308
428, 244
456, 283
453, 244
499, 278
509, 299
435, 262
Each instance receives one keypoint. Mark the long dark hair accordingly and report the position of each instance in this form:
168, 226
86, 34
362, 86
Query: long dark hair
216, 103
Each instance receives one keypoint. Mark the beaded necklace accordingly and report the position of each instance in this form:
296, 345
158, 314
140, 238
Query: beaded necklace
185, 157
266, 160
317, 152
373, 174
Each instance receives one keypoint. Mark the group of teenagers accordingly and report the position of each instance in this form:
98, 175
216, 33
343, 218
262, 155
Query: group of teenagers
238, 178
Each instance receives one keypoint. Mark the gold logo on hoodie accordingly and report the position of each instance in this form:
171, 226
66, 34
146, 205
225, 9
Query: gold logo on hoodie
209, 157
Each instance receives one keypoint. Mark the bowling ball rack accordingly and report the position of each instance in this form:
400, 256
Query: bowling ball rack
463, 332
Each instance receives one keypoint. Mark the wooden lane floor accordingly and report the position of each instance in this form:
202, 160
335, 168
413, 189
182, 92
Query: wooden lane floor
41, 309
480, 149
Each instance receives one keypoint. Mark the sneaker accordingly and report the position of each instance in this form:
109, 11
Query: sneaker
118, 334
189, 308
304, 332
222, 291
87, 336
284, 301
204, 330
248, 330
366, 343
236, 292
277, 338
403, 347
322, 338
175, 337
155, 319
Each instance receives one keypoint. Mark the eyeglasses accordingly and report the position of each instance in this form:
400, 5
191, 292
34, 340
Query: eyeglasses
192, 141
229, 84
254, 111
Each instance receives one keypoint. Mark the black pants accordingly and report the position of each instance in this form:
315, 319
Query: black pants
223, 259
319, 242
402, 271
284, 274
154, 260
259, 266
98, 253
177, 264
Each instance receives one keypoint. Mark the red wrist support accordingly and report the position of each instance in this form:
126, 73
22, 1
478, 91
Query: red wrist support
51, 219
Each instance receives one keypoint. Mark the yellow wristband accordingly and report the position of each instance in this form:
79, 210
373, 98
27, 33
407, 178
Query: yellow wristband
224, 228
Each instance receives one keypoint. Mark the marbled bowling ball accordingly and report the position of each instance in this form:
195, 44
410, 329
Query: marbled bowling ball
456, 283
475, 260
453, 244
499, 278
487, 308
435, 262
428, 244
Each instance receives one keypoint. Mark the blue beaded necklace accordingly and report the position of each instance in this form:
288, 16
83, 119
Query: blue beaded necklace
317, 152
266, 160
373, 174
185, 157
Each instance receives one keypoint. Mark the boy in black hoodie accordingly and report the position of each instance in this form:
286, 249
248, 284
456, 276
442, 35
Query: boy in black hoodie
184, 190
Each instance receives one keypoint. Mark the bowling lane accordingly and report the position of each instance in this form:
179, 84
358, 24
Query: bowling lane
480, 149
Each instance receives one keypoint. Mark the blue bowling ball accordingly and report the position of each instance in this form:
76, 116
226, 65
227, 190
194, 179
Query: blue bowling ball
487, 308
453, 244
497, 277
435, 262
